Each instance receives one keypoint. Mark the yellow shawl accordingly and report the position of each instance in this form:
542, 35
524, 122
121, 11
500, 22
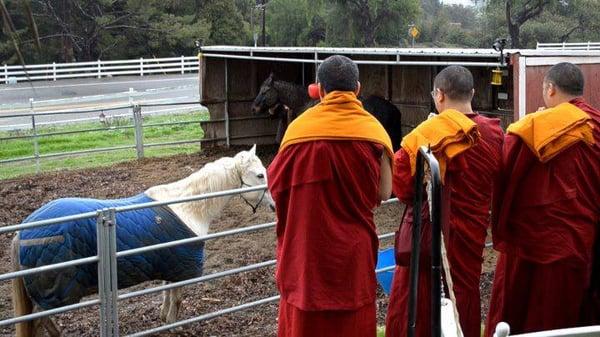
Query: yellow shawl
549, 132
339, 116
447, 134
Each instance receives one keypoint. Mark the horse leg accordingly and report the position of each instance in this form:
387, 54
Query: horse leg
176, 298
21, 302
45, 323
51, 327
164, 309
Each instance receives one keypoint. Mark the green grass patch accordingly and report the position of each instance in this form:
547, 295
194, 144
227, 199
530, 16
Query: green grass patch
380, 332
114, 133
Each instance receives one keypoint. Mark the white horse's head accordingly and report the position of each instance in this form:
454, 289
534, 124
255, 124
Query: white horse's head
253, 173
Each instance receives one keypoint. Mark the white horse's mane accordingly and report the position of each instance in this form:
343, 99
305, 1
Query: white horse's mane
222, 174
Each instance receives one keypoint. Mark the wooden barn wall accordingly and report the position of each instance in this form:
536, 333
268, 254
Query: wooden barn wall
408, 87
243, 83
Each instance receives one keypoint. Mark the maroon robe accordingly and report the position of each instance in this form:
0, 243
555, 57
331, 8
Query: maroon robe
325, 192
546, 217
465, 219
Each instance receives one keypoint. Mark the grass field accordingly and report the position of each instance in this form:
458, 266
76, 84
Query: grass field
110, 135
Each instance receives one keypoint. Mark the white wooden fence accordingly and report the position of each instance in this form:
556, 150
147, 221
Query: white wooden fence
99, 68
569, 46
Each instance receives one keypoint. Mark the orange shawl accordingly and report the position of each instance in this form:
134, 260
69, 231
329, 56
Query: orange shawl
447, 134
548, 132
339, 116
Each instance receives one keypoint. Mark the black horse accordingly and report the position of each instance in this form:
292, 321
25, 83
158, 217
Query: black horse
286, 101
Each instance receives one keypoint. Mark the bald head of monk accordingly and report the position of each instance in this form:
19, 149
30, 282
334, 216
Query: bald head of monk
562, 83
453, 88
338, 73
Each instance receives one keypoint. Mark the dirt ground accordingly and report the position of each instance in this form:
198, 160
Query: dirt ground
19, 197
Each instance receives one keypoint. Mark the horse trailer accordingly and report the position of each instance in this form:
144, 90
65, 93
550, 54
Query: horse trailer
508, 84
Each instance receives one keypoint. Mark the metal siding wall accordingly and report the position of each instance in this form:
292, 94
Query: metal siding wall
535, 77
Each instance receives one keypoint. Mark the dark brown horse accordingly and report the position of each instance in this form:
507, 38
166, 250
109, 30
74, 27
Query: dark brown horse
286, 101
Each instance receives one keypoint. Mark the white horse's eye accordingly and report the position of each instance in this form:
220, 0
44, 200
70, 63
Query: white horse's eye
260, 176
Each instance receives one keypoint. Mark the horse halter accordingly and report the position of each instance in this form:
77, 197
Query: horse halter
254, 207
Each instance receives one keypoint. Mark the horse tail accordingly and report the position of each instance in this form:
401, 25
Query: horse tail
21, 302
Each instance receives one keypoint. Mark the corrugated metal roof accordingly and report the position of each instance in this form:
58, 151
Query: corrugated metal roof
448, 52
457, 52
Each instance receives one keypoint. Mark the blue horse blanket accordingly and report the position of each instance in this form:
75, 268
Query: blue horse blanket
77, 239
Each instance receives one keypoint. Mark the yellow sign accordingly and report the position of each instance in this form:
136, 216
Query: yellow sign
414, 32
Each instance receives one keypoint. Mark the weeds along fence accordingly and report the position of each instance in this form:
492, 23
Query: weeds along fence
133, 120
107, 256
98, 69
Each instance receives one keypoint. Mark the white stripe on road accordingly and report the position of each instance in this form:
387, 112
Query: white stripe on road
103, 83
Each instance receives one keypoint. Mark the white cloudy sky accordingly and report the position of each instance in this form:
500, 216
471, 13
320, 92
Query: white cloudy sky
460, 2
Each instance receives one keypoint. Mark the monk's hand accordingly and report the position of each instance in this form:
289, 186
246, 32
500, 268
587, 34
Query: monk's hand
541, 108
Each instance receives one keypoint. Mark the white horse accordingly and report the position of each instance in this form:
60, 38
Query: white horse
243, 170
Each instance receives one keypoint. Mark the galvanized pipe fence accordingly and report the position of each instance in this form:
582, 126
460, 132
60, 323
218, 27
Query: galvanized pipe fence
107, 256
136, 116
98, 69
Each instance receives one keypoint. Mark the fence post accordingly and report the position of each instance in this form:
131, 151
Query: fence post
5, 73
141, 66
227, 138
36, 146
139, 131
99, 69
54, 71
106, 238
130, 93
316, 64
182, 64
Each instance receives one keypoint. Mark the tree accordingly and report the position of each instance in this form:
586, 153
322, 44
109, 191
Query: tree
518, 12
226, 21
371, 18
288, 22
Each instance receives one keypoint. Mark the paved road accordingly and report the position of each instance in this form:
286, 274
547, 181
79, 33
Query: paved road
93, 94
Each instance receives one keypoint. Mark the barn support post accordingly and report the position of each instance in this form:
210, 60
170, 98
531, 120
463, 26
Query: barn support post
139, 131
107, 272
36, 145
227, 136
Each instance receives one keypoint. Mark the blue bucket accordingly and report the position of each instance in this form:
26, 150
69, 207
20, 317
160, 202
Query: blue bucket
386, 258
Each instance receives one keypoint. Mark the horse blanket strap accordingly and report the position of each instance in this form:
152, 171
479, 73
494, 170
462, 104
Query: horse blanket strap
77, 239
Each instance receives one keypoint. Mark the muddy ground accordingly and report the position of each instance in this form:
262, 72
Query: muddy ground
19, 197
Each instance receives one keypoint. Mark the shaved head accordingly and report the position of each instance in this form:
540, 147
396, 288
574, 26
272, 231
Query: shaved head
338, 72
567, 77
456, 82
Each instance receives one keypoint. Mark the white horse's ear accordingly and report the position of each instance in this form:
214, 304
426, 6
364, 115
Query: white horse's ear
253, 150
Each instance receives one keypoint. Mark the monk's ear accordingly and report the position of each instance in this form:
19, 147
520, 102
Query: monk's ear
358, 87
322, 92
551, 89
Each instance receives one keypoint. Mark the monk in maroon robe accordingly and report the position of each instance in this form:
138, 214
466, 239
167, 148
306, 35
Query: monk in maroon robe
547, 212
333, 168
467, 194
